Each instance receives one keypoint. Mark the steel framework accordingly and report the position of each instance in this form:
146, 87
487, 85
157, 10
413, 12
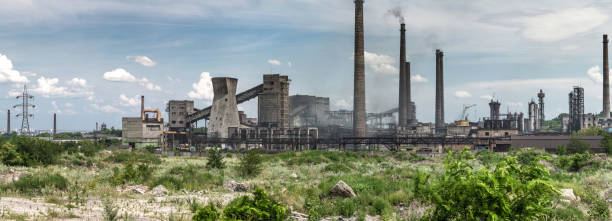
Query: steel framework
25, 106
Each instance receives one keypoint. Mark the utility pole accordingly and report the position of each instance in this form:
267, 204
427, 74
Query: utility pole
25, 106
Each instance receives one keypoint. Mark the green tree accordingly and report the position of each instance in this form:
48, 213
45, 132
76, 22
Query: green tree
577, 146
250, 163
208, 213
215, 159
259, 208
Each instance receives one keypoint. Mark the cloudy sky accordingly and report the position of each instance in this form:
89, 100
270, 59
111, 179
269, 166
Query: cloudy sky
88, 61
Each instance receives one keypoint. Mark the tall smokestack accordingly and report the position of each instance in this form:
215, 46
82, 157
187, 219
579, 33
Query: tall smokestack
142, 112
408, 93
403, 105
606, 79
8, 121
359, 109
439, 90
54, 124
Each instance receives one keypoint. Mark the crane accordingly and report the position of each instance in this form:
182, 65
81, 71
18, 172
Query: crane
464, 114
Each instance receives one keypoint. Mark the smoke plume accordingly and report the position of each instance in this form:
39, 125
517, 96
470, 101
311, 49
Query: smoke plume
397, 12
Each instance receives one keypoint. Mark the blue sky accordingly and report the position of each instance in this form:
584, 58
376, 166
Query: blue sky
89, 61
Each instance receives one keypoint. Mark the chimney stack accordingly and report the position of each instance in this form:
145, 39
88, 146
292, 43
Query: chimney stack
403, 101
8, 121
54, 124
359, 106
439, 90
606, 79
142, 110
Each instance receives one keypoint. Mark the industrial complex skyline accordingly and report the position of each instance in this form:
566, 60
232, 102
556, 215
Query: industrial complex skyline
91, 62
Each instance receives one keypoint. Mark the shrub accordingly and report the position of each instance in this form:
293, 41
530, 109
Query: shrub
111, 212
337, 167
488, 158
151, 149
561, 150
29, 151
215, 159
571, 212
208, 213
35, 183
10, 156
577, 146
510, 192
129, 174
578, 161
125, 156
606, 142
190, 177
250, 163
527, 156
260, 208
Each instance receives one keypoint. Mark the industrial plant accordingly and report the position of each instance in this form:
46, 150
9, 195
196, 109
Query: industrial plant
287, 121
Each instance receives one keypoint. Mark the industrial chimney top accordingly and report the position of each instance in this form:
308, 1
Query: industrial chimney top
541, 94
605, 38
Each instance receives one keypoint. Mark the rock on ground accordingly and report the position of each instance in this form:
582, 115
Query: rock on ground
342, 189
236, 186
12, 176
159, 190
140, 189
568, 195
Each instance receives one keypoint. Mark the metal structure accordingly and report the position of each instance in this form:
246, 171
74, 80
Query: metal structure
576, 109
494, 109
25, 106
391, 142
606, 79
541, 117
359, 94
464, 114
240, 98
439, 91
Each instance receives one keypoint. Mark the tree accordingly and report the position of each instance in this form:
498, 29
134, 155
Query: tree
215, 159
250, 163
577, 146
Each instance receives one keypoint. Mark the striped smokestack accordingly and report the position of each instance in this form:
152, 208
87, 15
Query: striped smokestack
439, 90
359, 109
606, 79
403, 101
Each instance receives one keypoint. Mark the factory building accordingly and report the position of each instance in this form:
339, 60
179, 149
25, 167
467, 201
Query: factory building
576, 109
177, 112
273, 102
309, 111
143, 131
342, 118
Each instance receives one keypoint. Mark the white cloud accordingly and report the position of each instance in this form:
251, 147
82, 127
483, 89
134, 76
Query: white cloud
55, 107
149, 85
344, 104
486, 97
274, 62
562, 24
128, 101
50, 87
142, 60
419, 79
462, 94
289, 64
595, 74
119, 74
203, 89
8, 74
380, 63
106, 108
78, 82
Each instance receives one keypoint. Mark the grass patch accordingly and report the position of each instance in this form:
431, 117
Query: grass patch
32, 184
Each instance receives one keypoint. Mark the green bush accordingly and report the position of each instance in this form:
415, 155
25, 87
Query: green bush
208, 213
151, 149
129, 174
561, 150
259, 208
190, 177
215, 159
578, 161
488, 158
526, 156
337, 167
250, 163
577, 146
606, 142
571, 212
35, 183
511, 192
30, 151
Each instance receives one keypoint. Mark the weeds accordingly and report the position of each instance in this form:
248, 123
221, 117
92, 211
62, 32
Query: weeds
32, 184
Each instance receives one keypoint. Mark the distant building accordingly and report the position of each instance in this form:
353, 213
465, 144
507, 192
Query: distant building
143, 131
309, 111
273, 102
343, 118
177, 111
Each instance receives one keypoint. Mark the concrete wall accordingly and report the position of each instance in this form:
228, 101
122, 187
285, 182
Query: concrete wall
224, 113
141, 134
551, 142
177, 111
273, 102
